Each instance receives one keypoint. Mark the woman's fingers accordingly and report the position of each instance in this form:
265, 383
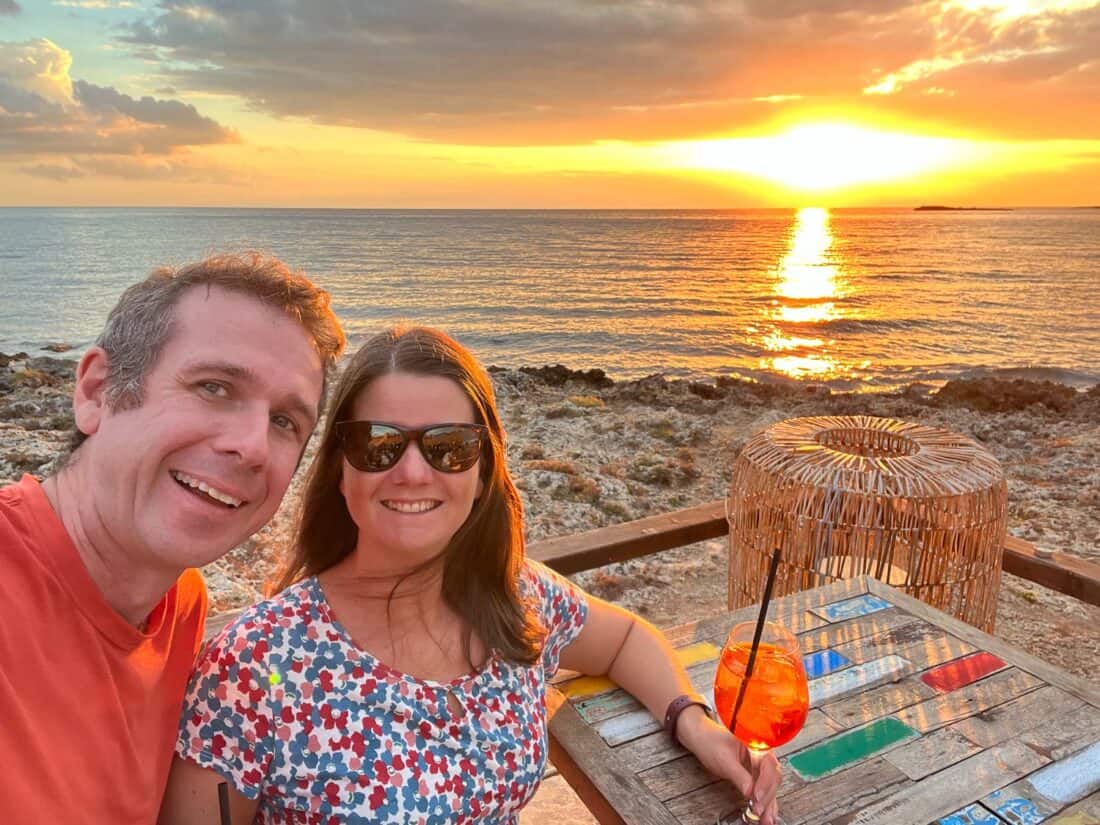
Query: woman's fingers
766, 781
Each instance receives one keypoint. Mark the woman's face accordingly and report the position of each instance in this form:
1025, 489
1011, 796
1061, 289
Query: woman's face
408, 513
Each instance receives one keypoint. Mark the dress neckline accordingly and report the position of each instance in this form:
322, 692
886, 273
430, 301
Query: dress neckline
381, 668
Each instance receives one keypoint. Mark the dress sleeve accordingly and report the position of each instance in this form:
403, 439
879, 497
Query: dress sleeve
562, 608
228, 716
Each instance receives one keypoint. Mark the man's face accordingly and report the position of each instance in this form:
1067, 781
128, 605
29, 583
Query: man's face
204, 461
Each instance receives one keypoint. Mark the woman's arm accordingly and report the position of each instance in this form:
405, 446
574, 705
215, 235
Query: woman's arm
639, 659
192, 797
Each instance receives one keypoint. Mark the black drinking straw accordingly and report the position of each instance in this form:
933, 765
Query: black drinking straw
756, 635
223, 803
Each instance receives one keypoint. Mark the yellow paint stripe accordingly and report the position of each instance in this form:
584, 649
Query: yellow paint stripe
591, 685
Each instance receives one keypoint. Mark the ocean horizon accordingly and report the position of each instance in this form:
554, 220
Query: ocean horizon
855, 299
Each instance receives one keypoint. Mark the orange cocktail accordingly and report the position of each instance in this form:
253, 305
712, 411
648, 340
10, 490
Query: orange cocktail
776, 697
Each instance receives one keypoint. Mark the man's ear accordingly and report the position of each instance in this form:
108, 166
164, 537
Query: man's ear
89, 396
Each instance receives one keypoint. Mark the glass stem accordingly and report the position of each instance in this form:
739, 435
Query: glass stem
749, 816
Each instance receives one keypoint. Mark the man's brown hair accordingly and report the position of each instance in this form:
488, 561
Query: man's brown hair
141, 323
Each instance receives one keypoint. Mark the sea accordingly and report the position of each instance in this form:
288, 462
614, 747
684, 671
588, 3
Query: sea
854, 299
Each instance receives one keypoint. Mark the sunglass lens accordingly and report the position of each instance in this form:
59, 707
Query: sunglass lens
377, 448
452, 449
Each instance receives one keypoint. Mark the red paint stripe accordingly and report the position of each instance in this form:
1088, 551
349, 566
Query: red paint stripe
960, 672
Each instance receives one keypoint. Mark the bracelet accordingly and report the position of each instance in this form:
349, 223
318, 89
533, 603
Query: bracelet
678, 706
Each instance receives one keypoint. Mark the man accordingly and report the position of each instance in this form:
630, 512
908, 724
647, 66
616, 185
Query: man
193, 410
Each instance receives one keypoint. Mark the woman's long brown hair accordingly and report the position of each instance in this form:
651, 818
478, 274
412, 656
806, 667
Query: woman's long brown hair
481, 564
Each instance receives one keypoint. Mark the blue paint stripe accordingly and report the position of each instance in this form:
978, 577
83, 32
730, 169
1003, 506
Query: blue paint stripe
970, 815
851, 608
822, 662
1015, 809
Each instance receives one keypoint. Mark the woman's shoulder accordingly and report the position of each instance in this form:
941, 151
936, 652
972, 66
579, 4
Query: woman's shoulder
279, 617
539, 583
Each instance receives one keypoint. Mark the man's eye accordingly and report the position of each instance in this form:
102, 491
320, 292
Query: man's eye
284, 422
214, 388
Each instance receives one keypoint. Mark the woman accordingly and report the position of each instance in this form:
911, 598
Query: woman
400, 674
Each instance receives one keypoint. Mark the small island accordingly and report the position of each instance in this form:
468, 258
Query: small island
936, 208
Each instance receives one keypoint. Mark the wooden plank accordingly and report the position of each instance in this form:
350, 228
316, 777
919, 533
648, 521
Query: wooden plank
1063, 735
971, 815
851, 608
577, 687
879, 701
1085, 812
963, 671
705, 805
931, 753
1007, 721
823, 662
843, 791
923, 644
855, 678
845, 749
843, 635
965, 702
1070, 779
1018, 804
628, 540
677, 777
950, 789
1047, 672
614, 793
1063, 572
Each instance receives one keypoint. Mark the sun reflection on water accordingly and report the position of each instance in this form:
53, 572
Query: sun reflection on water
806, 289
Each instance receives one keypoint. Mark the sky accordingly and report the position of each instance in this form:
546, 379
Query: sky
549, 103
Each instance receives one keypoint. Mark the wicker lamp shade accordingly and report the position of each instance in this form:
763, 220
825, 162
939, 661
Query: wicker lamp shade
921, 508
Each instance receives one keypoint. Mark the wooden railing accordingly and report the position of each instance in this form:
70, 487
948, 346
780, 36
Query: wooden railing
1063, 572
573, 553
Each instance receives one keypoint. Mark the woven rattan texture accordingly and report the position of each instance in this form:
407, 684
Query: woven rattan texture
921, 508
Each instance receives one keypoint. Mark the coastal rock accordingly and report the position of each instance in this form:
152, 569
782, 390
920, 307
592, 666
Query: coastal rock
993, 395
558, 375
57, 347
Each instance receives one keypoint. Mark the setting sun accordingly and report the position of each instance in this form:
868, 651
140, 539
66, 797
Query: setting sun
821, 156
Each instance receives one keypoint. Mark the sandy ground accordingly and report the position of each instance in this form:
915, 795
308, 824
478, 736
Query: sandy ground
588, 453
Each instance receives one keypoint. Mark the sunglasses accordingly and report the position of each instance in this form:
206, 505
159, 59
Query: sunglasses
372, 447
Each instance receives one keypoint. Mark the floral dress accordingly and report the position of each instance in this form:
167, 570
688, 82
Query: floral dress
286, 708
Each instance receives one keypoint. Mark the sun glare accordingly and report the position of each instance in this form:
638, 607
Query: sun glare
823, 156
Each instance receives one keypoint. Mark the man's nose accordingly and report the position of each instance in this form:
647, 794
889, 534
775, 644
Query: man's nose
248, 436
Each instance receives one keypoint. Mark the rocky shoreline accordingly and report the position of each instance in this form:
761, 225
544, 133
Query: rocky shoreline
587, 452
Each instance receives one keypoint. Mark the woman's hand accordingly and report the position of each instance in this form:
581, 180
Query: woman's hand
721, 753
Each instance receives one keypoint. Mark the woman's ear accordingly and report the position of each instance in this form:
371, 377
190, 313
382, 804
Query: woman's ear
90, 392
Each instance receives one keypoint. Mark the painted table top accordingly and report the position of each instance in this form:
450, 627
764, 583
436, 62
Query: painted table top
915, 718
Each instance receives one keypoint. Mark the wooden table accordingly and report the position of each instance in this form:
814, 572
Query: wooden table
915, 718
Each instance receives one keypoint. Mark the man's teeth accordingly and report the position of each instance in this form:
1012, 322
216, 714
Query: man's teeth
411, 506
213, 492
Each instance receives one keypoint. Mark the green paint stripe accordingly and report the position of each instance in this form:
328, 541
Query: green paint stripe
850, 747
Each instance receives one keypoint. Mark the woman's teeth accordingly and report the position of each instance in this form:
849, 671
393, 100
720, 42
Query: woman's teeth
411, 506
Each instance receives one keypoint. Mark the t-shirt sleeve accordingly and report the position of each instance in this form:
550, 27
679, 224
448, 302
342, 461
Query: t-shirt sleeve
562, 609
227, 722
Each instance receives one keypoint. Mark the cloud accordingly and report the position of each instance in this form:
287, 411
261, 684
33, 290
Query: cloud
97, 5
9, 7
53, 171
543, 71
44, 112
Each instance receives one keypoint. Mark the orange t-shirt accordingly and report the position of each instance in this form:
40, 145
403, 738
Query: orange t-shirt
89, 705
